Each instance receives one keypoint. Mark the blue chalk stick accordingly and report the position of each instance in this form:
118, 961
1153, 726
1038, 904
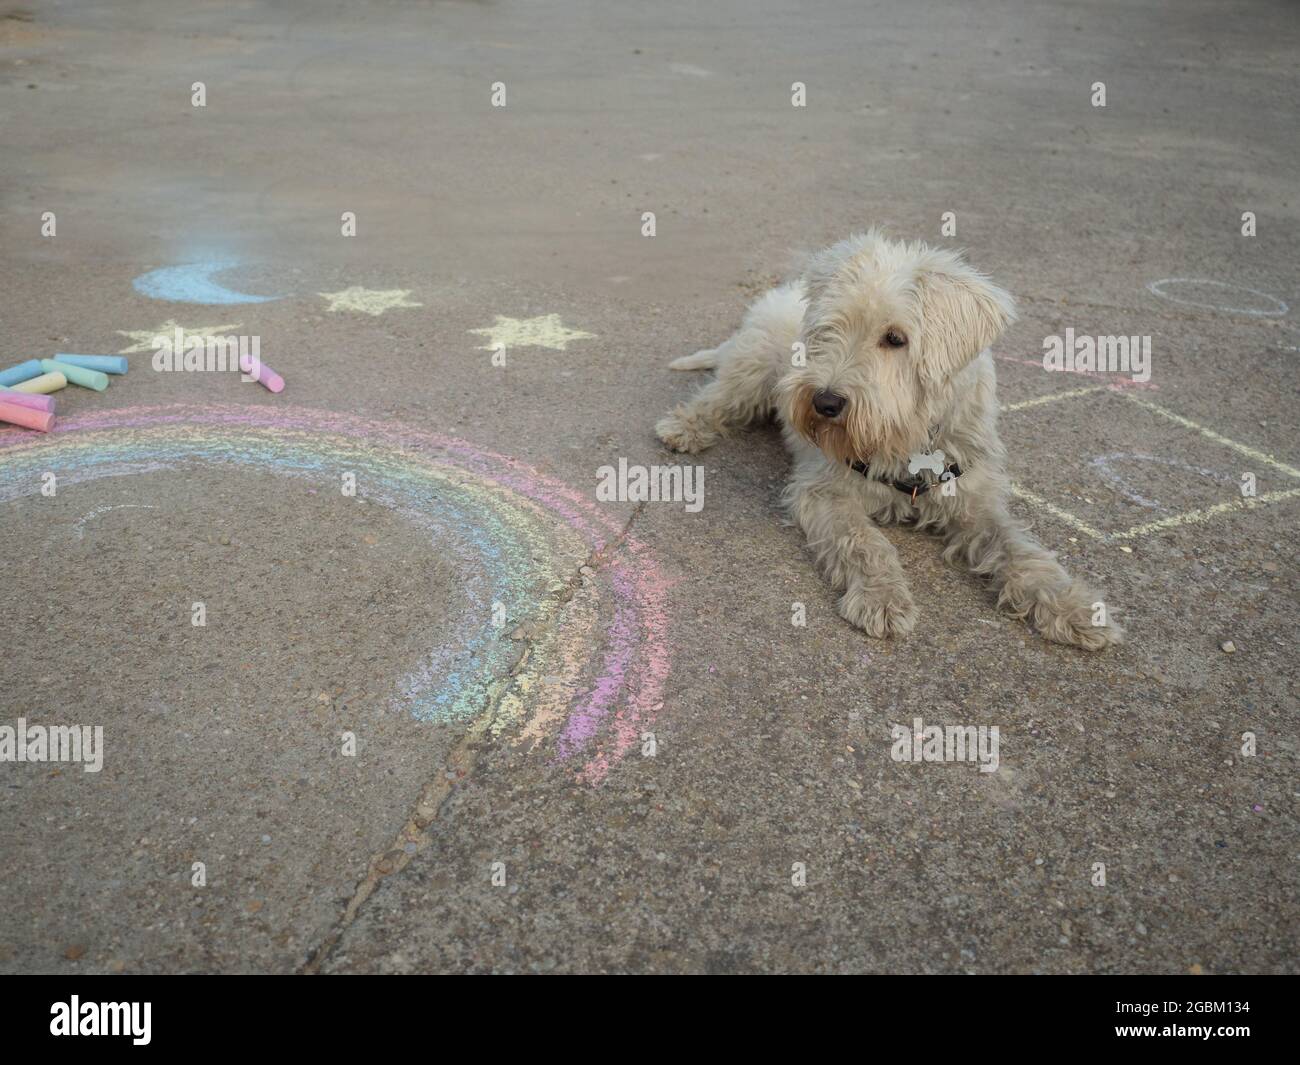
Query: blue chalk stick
102, 363
24, 371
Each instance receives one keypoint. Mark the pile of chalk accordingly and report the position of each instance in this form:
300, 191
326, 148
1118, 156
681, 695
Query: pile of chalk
25, 389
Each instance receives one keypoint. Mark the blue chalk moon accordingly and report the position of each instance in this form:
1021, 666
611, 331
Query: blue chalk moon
192, 283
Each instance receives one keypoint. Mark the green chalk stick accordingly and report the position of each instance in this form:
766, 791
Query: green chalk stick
78, 375
102, 363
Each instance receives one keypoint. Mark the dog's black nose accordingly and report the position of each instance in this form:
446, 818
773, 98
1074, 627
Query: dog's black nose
828, 404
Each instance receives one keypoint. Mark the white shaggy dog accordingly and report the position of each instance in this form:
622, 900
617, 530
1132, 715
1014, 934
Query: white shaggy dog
876, 361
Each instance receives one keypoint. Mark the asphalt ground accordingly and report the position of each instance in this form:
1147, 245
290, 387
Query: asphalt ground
587, 736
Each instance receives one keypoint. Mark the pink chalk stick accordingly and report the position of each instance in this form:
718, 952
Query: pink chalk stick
263, 374
40, 420
27, 399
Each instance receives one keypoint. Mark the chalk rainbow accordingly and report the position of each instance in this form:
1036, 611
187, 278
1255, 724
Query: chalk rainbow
588, 675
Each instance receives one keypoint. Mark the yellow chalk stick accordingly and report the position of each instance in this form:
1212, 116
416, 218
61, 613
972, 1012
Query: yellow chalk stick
43, 385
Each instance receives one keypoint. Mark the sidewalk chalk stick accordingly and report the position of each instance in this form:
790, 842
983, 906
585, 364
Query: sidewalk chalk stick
102, 363
26, 399
24, 371
39, 420
47, 382
266, 377
76, 374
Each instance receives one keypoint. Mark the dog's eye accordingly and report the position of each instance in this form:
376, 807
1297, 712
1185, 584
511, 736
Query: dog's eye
894, 339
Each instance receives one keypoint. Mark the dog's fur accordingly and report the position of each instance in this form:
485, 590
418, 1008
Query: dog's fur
842, 308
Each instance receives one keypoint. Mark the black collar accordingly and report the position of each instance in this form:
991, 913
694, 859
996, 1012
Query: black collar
916, 486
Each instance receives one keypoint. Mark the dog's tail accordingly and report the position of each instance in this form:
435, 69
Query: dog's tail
701, 360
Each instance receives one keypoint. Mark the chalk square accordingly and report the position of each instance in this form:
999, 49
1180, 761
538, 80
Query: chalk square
1193, 475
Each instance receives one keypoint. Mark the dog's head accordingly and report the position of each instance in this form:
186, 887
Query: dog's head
887, 326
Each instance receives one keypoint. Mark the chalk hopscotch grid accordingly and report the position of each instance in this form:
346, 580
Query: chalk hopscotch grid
1190, 517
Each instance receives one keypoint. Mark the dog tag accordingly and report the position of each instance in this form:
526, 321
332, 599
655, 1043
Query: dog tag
926, 460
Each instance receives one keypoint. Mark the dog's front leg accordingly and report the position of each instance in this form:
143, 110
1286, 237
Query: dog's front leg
1029, 581
853, 554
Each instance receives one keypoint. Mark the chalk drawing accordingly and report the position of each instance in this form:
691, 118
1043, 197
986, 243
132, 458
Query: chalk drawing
1115, 382
1191, 517
546, 331
587, 675
372, 301
1278, 309
1038, 401
1218, 438
1104, 465
1200, 517
1060, 514
144, 338
192, 283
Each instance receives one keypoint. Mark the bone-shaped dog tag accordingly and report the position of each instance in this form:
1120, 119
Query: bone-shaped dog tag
926, 460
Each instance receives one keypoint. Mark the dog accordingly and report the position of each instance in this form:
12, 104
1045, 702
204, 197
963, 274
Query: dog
875, 360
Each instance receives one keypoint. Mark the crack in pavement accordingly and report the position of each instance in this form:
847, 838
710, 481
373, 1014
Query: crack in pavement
461, 761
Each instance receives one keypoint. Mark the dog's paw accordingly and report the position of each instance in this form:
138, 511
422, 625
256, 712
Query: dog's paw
879, 614
1071, 617
684, 433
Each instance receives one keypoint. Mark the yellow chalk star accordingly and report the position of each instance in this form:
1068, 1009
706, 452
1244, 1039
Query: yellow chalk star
546, 331
368, 300
144, 338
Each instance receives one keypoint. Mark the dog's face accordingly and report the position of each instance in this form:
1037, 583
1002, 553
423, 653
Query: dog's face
887, 326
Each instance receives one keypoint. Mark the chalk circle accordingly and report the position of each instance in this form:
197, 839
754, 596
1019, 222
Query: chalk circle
1104, 465
1157, 288
586, 673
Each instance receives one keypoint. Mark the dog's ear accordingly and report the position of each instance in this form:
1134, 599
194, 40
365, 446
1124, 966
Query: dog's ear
962, 313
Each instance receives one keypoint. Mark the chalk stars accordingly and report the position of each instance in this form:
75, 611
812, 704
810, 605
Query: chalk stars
373, 301
144, 338
546, 331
